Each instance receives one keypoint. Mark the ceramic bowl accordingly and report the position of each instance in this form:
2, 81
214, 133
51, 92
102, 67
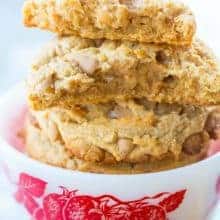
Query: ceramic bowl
51, 193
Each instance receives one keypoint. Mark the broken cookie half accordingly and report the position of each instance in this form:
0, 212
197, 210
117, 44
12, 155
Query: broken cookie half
73, 70
135, 20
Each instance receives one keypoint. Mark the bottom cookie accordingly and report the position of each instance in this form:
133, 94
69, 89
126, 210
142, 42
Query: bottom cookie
39, 147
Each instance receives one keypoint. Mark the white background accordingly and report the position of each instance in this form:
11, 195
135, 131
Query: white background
18, 46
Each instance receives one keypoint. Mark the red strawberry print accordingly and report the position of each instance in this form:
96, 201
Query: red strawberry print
173, 201
150, 212
53, 205
154, 212
81, 208
70, 206
39, 214
110, 207
118, 212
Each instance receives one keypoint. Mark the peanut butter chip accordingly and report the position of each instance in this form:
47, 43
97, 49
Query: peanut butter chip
138, 3
119, 112
125, 146
87, 63
213, 124
193, 144
132, 3
217, 133
53, 130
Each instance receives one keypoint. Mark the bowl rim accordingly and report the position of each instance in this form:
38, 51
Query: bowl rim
9, 149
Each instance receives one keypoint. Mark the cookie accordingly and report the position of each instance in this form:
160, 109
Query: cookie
133, 131
140, 20
73, 70
39, 147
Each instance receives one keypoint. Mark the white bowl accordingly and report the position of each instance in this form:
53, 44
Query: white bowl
47, 192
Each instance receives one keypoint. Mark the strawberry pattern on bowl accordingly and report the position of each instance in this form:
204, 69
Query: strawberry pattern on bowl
70, 205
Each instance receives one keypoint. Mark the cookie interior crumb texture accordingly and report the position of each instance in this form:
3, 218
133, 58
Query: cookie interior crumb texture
132, 131
142, 20
73, 70
125, 87
40, 148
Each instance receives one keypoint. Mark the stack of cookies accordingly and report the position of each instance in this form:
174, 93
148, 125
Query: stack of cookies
124, 88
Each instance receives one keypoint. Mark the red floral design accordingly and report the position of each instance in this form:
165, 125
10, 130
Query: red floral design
69, 205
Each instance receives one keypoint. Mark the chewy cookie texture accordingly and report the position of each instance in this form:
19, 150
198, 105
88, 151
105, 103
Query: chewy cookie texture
136, 20
39, 147
133, 131
124, 88
73, 70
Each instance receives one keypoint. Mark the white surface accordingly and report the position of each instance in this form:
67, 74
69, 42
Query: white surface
8, 208
17, 46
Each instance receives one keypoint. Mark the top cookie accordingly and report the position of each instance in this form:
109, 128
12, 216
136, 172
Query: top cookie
151, 21
73, 70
